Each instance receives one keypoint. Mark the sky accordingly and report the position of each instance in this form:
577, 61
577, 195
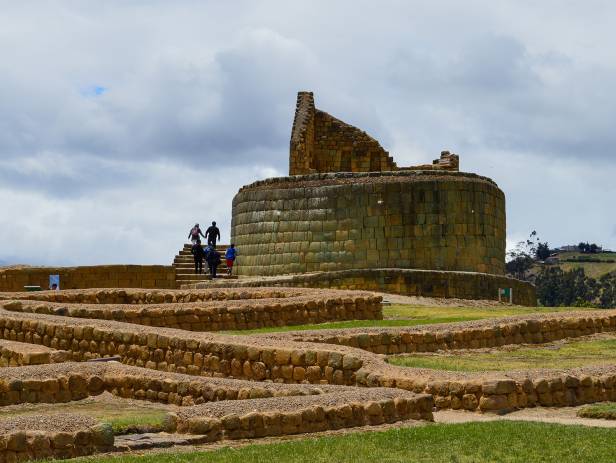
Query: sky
124, 122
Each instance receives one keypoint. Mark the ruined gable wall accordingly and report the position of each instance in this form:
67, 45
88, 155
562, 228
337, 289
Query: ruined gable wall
322, 143
340, 147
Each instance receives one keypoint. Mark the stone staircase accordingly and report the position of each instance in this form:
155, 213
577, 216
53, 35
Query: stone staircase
184, 265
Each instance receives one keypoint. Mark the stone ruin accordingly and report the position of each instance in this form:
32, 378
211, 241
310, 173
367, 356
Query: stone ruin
225, 387
348, 217
322, 143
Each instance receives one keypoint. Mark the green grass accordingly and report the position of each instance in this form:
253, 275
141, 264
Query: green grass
479, 442
566, 355
151, 421
123, 417
409, 315
605, 411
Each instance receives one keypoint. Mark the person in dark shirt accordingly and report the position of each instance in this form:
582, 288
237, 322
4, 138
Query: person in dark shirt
213, 261
198, 255
194, 233
212, 234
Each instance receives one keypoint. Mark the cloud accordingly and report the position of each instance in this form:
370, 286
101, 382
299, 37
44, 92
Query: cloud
124, 122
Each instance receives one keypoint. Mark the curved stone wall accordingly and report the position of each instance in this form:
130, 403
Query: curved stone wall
405, 219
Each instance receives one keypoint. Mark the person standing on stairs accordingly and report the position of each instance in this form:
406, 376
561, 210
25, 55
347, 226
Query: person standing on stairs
194, 233
213, 261
212, 234
198, 255
230, 256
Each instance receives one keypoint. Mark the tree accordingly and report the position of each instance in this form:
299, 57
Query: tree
587, 248
556, 287
543, 251
522, 258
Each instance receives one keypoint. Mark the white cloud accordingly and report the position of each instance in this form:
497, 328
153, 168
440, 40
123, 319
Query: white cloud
199, 99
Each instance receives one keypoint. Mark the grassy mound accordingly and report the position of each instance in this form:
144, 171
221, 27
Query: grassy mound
605, 411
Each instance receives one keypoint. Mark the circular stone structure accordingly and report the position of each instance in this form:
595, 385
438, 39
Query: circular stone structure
414, 219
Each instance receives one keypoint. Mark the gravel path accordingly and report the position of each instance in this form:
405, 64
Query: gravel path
439, 302
77, 309
67, 422
293, 404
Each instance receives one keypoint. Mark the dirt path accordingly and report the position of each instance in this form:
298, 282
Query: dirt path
439, 302
565, 415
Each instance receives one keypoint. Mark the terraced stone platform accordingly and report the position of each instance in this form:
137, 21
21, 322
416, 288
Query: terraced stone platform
212, 310
236, 387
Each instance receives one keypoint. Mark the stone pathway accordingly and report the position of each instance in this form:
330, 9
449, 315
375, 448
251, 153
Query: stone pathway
157, 440
561, 415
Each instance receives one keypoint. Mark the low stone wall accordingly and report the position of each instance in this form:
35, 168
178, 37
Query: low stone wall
322, 306
14, 354
409, 282
527, 329
97, 276
180, 351
315, 358
25, 438
153, 296
306, 414
72, 381
505, 391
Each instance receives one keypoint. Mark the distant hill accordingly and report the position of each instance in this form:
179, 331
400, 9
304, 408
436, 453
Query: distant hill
594, 265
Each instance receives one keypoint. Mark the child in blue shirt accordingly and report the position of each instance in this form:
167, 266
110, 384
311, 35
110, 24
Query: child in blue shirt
230, 257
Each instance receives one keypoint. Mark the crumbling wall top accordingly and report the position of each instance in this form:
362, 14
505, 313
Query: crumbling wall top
322, 143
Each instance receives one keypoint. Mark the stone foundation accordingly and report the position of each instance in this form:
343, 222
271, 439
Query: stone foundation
409, 282
405, 219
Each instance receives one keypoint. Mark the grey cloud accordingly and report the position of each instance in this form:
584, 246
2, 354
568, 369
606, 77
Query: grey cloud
200, 99
509, 98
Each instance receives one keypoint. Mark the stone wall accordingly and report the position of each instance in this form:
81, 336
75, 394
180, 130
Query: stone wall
309, 414
98, 276
14, 354
408, 282
322, 143
179, 351
314, 357
31, 443
407, 219
238, 314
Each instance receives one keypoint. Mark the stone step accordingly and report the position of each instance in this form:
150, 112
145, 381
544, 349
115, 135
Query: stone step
144, 441
191, 262
203, 276
188, 253
204, 243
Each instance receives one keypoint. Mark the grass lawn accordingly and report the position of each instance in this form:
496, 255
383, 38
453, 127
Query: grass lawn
560, 355
123, 417
410, 315
606, 411
480, 442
